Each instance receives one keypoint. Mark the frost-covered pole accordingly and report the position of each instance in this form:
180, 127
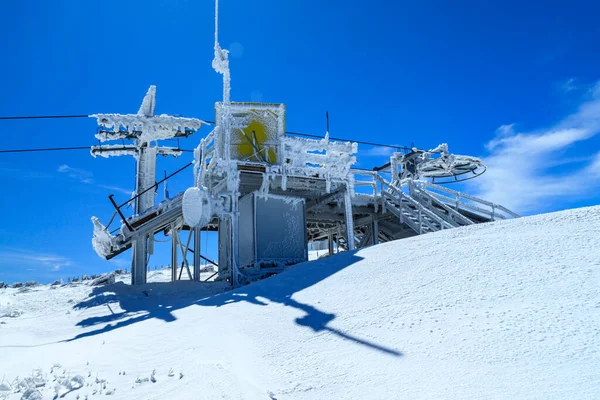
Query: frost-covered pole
146, 160
375, 228
143, 128
330, 243
221, 62
196, 253
234, 239
221, 65
145, 178
349, 220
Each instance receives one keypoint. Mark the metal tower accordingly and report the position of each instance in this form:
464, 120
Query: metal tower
143, 128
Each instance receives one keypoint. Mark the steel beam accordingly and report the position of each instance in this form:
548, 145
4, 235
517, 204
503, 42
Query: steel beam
196, 253
349, 219
138, 261
235, 212
174, 250
375, 230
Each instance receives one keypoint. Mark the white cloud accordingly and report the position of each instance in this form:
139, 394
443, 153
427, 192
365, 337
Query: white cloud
29, 258
378, 151
520, 174
594, 167
85, 176
116, 189
568, 85
81, 175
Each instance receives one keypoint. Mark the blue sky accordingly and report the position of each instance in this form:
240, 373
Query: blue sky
515, 83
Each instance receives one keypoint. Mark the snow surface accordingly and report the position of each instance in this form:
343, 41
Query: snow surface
506, 310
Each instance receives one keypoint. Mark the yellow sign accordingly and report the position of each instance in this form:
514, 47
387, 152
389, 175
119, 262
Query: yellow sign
251, 143
255, 130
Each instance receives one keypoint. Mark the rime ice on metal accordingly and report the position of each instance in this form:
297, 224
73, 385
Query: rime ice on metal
143, 129
267, 194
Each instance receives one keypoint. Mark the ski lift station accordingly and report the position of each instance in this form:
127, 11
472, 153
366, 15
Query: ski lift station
269, 194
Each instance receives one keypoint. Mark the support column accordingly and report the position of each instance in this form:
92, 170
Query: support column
349, 220
234, 239
138, 261
145, 178
375, 230
224, 248
196, 253
330, 243
174, 251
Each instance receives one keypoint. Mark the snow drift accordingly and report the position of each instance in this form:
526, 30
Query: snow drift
502, 310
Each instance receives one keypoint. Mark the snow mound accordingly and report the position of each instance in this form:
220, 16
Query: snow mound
503, 310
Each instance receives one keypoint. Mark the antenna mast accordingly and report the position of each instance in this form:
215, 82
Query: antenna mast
221, 61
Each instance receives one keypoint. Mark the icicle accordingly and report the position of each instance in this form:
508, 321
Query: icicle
264, 187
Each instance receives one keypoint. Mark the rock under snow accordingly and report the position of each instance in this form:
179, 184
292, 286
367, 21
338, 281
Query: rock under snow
106, 279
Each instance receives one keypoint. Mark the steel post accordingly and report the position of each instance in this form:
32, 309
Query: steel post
138, 261
196, 253
349, 220
174, 251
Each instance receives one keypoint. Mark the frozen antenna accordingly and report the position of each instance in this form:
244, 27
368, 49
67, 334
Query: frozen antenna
221, 61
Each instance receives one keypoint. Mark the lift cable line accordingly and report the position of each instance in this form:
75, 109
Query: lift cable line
45, 117
45, 149
403, 148
188, 150
350, 140
155, 186
64, 149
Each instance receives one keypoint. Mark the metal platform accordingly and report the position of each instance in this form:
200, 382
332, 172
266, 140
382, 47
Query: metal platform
248, 160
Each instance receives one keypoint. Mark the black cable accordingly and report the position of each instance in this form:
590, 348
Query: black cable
46, 116
64, 148
350, 140
208, 122
155, 186
45, 149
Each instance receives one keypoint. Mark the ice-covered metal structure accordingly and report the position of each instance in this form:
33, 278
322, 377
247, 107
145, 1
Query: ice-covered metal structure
268, 194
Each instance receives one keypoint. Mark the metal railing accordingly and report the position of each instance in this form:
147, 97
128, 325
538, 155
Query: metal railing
422, 214
457, 201
442, 206
118, 207
452, 215
410, 211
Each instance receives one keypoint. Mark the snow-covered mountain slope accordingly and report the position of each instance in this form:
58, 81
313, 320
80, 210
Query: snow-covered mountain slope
508, 310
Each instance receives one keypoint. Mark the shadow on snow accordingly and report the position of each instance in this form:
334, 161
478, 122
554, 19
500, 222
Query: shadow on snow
159, 300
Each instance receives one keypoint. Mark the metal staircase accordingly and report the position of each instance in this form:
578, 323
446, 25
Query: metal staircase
473, 208
416, 215
423, 207
165, 215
